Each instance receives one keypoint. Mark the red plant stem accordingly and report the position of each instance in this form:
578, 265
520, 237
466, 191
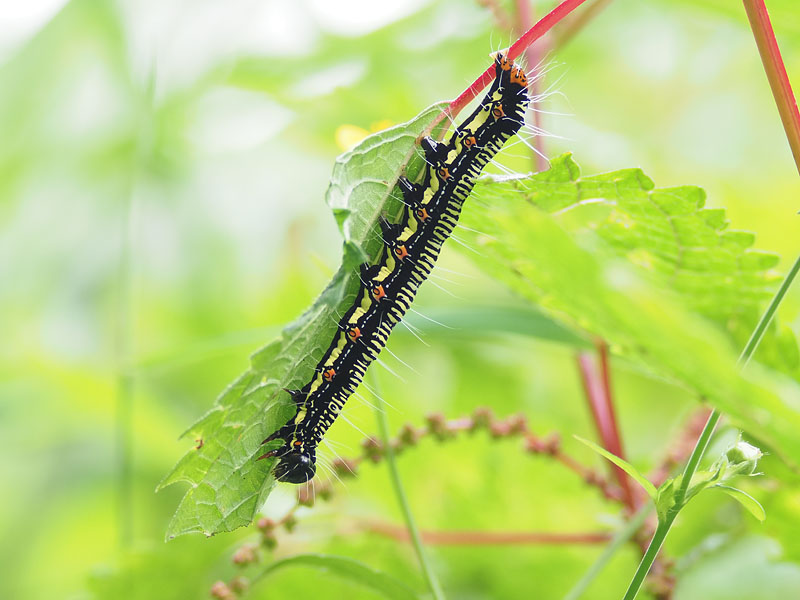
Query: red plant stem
525, 14
571, 29
598, 394
485, 538
544, 25
501, 18
615, 439
776, 73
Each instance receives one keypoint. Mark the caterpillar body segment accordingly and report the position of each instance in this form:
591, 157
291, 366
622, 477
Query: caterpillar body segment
411, 247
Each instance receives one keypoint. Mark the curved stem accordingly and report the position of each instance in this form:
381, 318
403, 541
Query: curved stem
787, 107
597, 389
776, 73
705, 437
413, 531
124, 381
544, 25
766, 318
648, 558
697, 455
626, 533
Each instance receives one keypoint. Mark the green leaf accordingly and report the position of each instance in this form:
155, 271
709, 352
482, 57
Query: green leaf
665, 499
737, 567
543, 236
702, 480
746, 500
677, 243
349, 569
228, 486
474, 320
624, 465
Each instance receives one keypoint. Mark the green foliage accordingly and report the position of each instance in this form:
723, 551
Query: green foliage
679, 244
740, 459
737, 568
624, 465
533, 238
159, 571
466, 321
605, 297
752, 505
228, 485
220, 140
346, 568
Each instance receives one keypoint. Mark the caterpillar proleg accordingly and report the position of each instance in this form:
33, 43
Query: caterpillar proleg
411, 247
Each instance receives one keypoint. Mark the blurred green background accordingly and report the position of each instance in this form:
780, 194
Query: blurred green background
162, 172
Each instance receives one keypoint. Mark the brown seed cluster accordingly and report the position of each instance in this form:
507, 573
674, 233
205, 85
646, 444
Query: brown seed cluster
436, 427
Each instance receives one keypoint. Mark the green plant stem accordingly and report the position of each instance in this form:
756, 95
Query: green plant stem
766, 318
705, 437
787, 106
413, 531
626, 533
124, 380
124, 338
648, 558
696, 457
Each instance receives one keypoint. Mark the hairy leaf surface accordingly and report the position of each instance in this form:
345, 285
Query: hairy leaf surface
681, 245
228, 486
648, 270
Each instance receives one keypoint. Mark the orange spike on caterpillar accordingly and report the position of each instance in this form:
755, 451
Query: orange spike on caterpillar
411, 246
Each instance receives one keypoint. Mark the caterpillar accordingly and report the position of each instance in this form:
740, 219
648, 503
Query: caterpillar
411, 246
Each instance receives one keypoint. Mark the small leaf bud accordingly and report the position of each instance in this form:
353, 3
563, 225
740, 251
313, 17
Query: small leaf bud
221, 591
265, 524
408, 436
742, 459
373, 449
268, 540
437, 425
245, 555
517, 424
289, 523
482, 417
344, 467
305, 495
239, 584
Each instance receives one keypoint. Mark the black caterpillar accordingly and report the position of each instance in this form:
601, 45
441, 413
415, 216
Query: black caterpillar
410, 249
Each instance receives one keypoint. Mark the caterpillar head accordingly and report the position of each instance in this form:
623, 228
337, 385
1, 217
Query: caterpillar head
295, 467
502, 63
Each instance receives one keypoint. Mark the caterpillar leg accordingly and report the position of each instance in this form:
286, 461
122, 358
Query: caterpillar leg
295, 465
269, 454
